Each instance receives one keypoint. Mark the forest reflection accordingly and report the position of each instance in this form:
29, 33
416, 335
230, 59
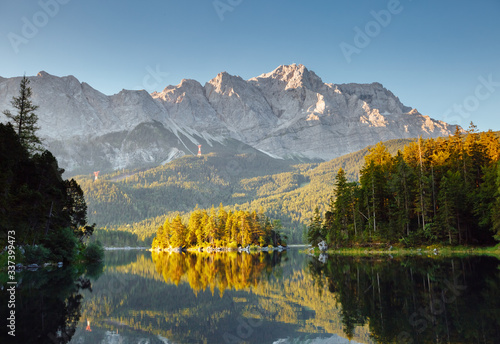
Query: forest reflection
48, 304
222, 270
415, 300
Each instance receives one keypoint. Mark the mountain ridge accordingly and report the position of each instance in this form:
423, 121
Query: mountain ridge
286, 113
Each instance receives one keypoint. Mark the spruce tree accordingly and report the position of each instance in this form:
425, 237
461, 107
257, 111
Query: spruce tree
494, 209
342, 212
25, 121
315, 230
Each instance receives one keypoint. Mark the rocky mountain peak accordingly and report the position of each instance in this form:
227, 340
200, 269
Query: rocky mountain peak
177, 93
224, 81
189, 84
43, 74
222, 77
289, 112
293, 76
376, 96
53, 79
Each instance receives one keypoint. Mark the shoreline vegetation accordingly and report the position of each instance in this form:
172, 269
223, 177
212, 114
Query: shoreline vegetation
437, 193
425, 251
42, 216
217, 231
210, 249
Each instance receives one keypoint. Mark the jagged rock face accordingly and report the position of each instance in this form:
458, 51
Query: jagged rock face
292, 112
87, 130
240, 105
319, 120
68, 108
186, 103
289, 112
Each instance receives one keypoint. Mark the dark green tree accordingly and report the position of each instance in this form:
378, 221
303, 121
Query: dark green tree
25, 121
37, 203
495, 213
76, 209
315, 232
400, 186
341, 210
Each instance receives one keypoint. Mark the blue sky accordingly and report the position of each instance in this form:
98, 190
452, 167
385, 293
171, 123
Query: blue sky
441, 57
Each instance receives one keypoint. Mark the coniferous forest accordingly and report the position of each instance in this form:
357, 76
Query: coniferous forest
219, 229
38, 208
435, 191
138, 202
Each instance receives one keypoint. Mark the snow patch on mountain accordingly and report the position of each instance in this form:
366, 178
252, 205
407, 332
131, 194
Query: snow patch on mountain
289, 112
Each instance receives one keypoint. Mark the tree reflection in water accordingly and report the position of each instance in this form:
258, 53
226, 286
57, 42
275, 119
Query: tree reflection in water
224, 270
48, 304
416, 300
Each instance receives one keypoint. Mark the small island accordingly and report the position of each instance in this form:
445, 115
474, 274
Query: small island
219, 231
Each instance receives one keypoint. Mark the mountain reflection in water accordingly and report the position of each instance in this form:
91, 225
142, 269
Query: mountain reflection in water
148, 297
289, 298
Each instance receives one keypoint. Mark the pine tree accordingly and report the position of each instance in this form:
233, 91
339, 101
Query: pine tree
341, 209
400, 185
25, 121
374, 180
315, 230
194, 226
450, 197
76, 209
179, 232
495, 214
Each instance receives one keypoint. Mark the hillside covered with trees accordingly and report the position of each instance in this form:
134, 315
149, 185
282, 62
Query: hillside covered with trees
443, 190
138, 202
38, 209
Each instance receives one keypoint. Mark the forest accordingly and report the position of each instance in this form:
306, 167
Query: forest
219, 229
119, 238
434, 191
38, 208
139, 201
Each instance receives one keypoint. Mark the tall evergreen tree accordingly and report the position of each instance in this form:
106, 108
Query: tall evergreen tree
25, 121
495, 213
400, 186
76, 209
315, 232
340, 209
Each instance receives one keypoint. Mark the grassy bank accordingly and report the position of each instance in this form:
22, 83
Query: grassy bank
434, 250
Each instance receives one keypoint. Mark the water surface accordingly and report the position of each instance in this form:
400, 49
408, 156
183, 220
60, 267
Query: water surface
144, 297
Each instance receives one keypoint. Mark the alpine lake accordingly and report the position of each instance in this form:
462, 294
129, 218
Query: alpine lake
138, 296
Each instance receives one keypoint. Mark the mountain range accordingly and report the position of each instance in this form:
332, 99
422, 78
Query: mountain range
289, 113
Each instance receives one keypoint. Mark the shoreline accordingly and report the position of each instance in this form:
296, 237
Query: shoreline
125, 248
429, 251
201, 249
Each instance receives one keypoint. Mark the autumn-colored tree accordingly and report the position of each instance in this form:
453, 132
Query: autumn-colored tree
443, 190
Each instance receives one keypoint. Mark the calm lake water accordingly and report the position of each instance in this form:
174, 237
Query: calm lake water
143, 297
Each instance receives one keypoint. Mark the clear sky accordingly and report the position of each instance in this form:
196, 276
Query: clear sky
441, 57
